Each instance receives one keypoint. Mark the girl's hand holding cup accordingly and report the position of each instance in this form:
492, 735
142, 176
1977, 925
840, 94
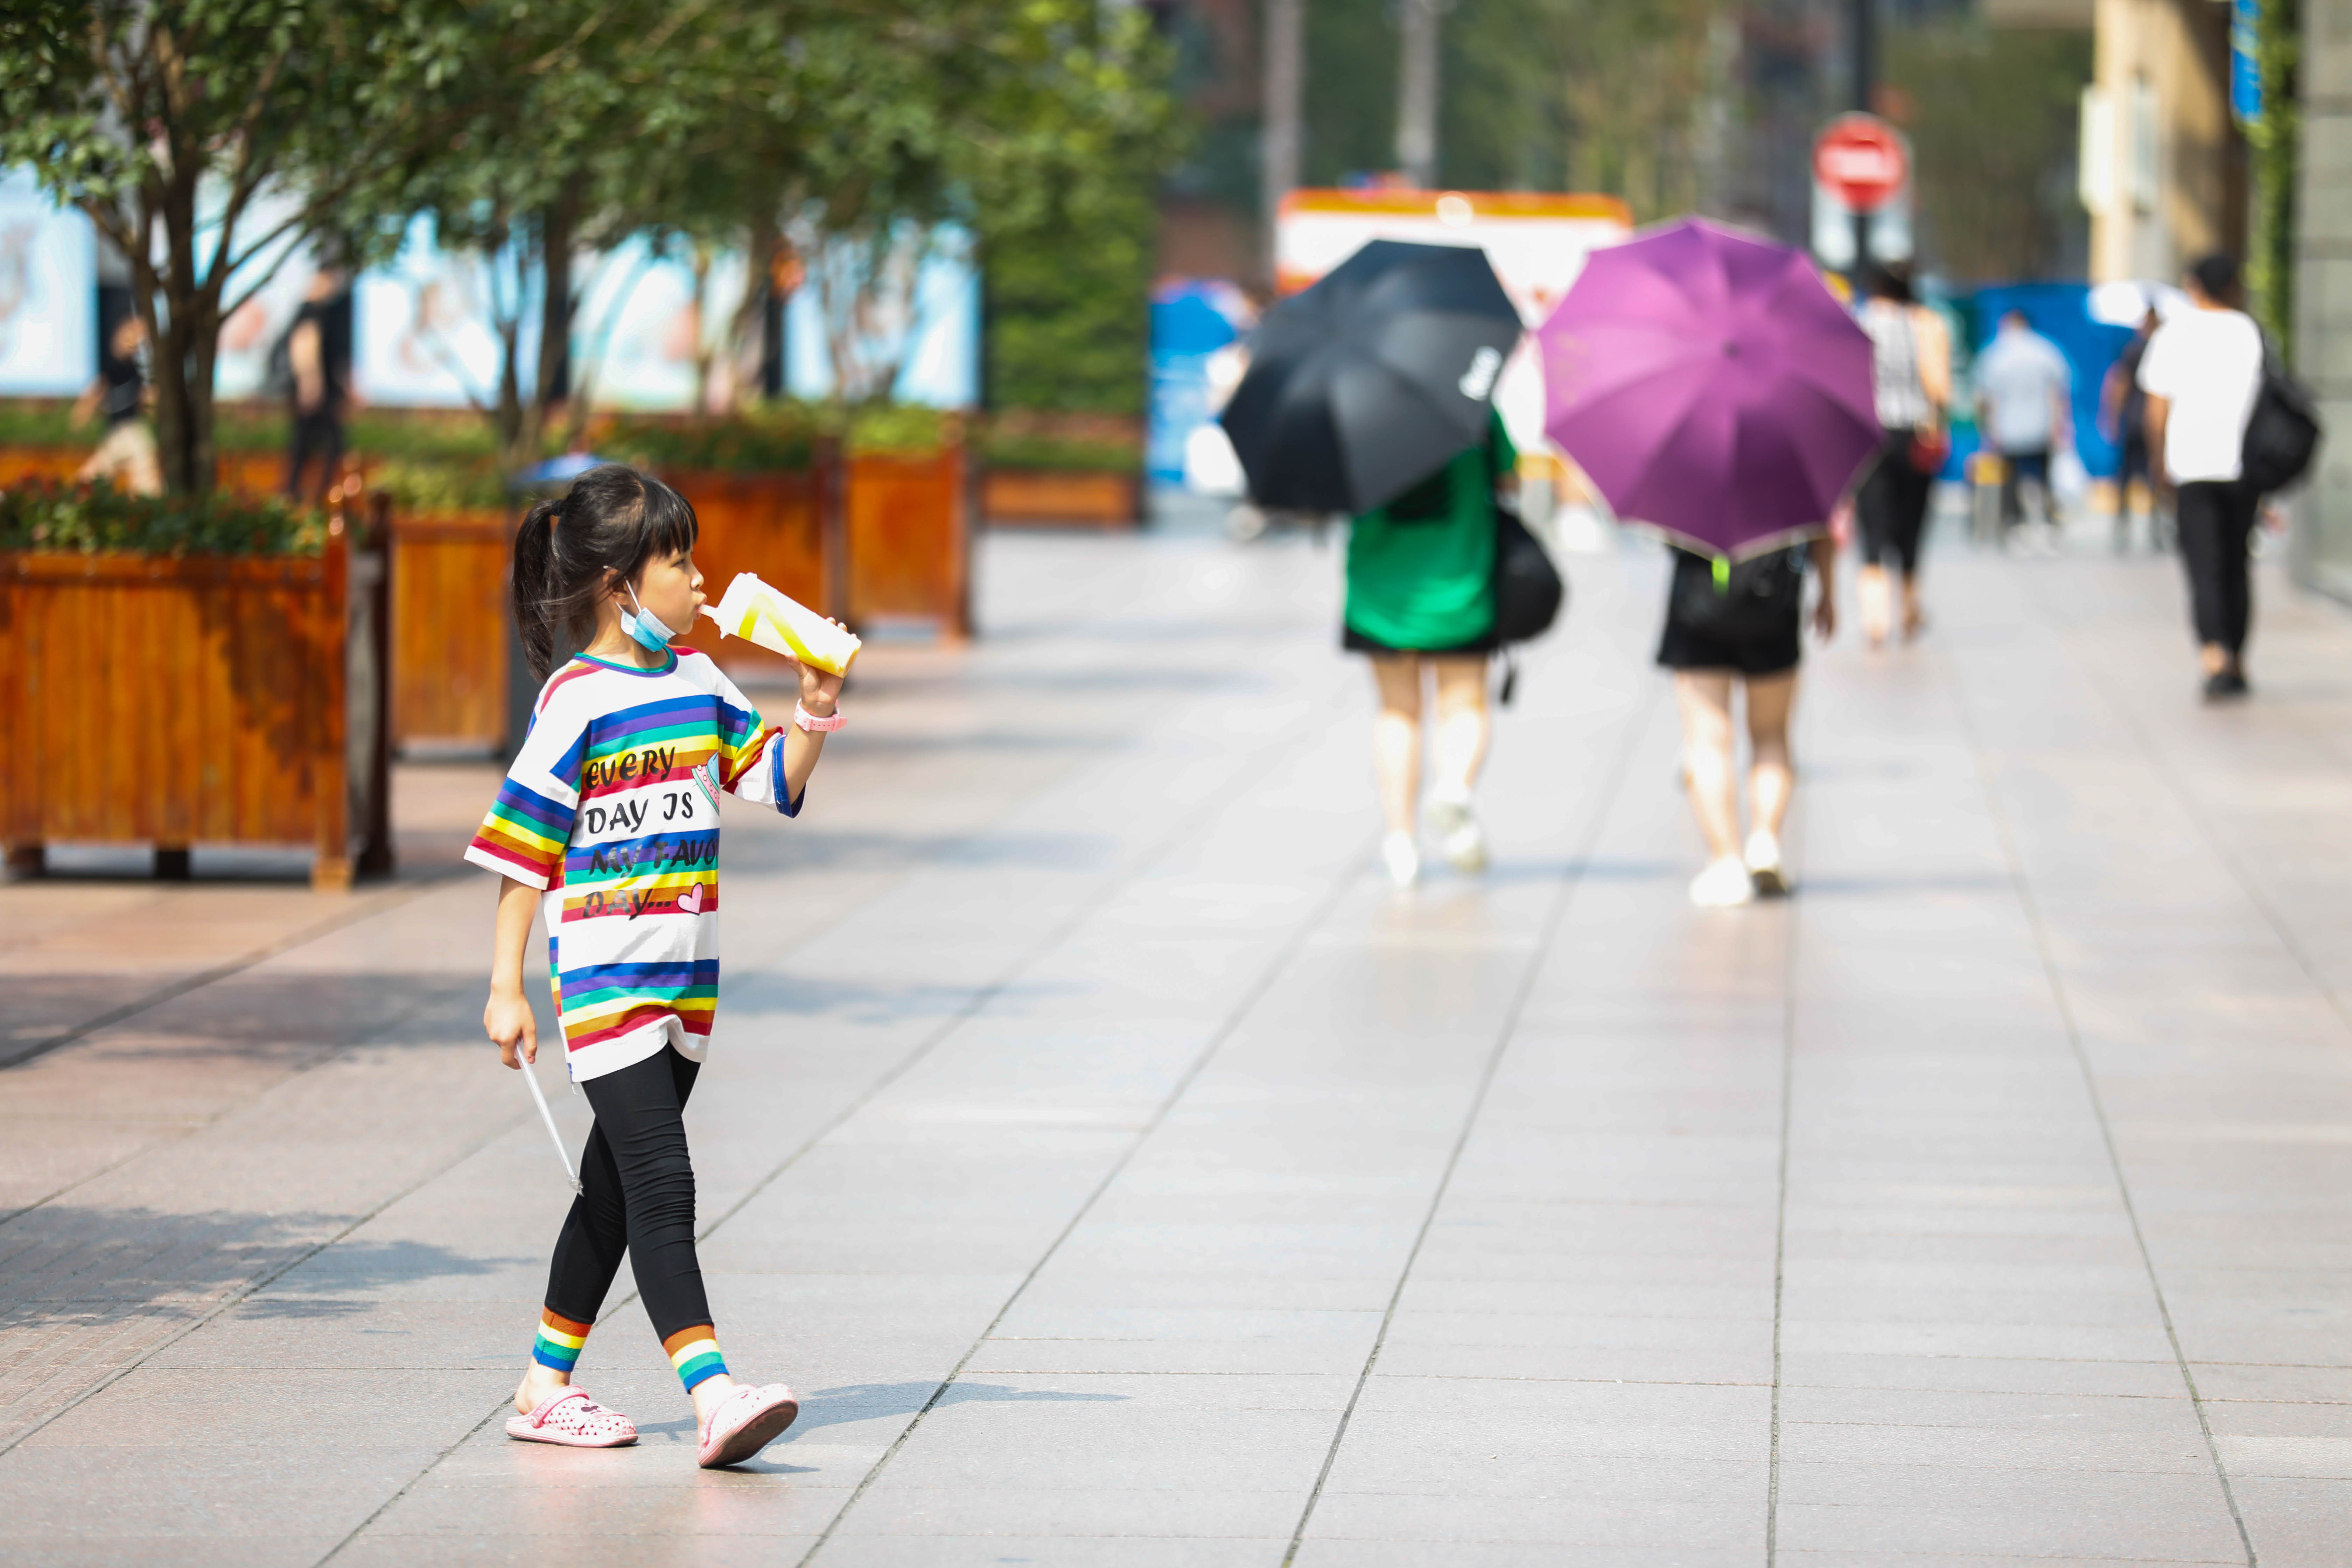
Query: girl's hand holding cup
820, 688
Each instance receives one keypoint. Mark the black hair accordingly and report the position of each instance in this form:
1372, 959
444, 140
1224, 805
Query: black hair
1888, 280
2217, 275
612, 521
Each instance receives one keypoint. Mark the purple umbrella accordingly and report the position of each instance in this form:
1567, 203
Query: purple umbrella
1711, 386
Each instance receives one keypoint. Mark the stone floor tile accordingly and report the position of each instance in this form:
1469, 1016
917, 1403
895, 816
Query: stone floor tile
1688, 1509
1087, 1101
1053, 1551
902, 1508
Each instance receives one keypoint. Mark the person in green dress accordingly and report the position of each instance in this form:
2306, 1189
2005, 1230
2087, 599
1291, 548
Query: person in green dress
1421, 603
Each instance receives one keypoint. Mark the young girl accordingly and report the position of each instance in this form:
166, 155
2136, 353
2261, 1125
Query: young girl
608, 825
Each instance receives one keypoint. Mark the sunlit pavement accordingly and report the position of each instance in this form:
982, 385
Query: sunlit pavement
1125, 1175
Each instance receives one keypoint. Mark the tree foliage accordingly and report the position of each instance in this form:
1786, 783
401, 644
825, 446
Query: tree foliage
532, 130
1993, 123
169, 123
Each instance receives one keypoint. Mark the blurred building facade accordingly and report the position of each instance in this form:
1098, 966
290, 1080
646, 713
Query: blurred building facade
2323, 318
2163, 167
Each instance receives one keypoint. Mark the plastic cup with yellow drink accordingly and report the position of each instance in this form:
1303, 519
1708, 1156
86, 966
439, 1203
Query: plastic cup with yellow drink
753, 611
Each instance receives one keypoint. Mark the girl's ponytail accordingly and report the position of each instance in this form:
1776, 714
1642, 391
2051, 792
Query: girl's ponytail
534, 585
568, 555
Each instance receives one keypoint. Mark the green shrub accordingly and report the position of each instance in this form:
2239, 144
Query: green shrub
43, 422
46, 515
879, 428
422, 488
1034, 450
769, 439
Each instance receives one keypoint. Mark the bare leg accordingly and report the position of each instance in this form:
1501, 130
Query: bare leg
1704, 699
1769, 776
1464, 726
1396, 737
1871, 586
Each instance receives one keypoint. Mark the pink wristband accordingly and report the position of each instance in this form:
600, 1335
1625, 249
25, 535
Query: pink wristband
815, 725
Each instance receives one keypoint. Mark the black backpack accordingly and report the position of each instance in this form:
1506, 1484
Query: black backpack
2281, 433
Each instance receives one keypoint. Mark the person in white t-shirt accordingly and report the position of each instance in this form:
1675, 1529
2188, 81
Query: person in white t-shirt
2202, 373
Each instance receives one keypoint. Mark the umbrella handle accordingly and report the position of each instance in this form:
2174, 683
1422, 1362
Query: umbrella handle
539, 1095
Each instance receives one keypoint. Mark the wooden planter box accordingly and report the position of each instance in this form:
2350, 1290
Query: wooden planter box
785, 526
1061, 497
243, 473
449, 627
173, 700
908, 531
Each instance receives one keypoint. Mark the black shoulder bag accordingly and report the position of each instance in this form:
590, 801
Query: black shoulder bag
1529, 589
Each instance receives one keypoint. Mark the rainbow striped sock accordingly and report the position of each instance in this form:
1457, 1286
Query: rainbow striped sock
558, 1343
695, 1353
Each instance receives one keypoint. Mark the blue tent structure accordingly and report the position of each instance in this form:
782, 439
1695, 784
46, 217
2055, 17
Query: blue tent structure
2061, 312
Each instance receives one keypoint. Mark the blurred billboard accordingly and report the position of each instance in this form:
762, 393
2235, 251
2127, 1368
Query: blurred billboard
49, 293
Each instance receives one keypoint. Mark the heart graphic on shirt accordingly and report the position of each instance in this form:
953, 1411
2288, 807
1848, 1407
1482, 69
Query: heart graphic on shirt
690, 901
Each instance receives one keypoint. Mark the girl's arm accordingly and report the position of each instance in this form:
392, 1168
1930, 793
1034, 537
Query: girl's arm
1935, 346
508, 1019
820, 694
1824, 553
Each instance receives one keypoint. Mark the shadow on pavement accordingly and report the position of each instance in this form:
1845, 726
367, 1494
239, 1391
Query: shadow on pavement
874, 1401
63, 1267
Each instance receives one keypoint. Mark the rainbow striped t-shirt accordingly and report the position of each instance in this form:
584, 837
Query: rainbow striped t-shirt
611, 807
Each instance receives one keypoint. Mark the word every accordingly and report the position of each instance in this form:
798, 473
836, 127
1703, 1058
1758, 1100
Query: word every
650, 766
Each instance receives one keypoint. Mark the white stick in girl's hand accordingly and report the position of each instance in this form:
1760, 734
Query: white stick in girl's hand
530, 1077
753, 611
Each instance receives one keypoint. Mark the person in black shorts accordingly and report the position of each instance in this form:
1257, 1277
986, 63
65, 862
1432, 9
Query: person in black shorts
1741, 623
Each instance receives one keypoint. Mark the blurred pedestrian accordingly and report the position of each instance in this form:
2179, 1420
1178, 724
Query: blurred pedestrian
2202, 373
2021, 390
1911, 365
1741, 623
607, 827
318, 362
1421, 603
126, 455
2124, 407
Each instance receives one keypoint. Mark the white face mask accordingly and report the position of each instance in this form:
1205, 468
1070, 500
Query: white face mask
645, 626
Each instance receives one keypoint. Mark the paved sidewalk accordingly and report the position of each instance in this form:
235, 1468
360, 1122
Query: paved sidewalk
1126, 1176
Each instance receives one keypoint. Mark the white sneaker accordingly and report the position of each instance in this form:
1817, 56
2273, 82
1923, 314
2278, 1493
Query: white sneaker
1724, 884
1457, 835
1764, 867
1401, 858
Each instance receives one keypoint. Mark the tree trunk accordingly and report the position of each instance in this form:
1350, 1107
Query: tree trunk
1284, 79
1417, 60
704, 352
766, 246
182, 347
551, 382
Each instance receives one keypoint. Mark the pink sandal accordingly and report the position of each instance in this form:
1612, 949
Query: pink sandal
570, 1417
747, 1421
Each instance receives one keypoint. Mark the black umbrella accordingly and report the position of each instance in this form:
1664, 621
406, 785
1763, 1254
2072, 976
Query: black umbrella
1365, 384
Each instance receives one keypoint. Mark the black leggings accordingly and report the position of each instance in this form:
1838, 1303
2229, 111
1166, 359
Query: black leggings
637, 1197
2216, 520
1892, 506
318, 436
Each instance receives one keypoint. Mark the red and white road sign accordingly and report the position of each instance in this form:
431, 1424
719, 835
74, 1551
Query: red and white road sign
1861, 160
